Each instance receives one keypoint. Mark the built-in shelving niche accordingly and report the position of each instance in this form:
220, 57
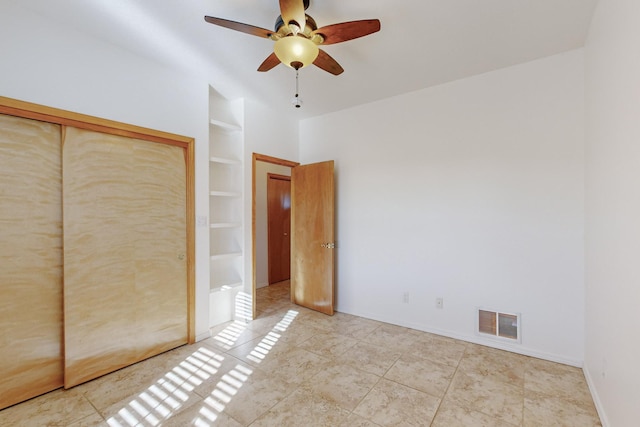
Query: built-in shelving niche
226, 227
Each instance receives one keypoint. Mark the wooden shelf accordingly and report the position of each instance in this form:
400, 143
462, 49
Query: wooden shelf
226, 126
228, 255
226, 193
224, 161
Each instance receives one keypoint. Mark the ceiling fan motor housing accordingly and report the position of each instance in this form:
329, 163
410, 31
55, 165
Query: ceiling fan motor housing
310, 25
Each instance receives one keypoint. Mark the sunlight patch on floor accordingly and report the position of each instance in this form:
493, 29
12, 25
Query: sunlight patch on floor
266, 344
170, 392
230, 383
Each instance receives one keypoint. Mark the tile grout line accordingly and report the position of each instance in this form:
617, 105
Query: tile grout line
435, 414
94, 408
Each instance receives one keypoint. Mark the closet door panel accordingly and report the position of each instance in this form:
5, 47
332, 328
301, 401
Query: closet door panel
125, 284
160, 247
98, 270
30, 259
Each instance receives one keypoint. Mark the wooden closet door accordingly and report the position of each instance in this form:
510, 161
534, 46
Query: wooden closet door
125, 232
30, 259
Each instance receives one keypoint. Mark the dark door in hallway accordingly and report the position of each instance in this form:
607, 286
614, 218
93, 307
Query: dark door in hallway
279, 227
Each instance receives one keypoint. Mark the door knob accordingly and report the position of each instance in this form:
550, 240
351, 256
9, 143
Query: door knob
328, 245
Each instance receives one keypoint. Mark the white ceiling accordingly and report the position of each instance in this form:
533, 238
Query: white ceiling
422, 42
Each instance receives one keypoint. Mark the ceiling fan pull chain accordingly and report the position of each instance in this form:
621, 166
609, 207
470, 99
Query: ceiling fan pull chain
297, 101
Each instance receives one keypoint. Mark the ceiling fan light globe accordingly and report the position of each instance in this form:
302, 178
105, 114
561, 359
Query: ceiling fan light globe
295, 50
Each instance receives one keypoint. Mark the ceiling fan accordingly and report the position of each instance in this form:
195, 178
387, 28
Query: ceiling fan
297, 37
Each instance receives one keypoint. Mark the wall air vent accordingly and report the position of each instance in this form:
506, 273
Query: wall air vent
498, 324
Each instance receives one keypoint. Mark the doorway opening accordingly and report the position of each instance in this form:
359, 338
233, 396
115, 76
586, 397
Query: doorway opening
267, 266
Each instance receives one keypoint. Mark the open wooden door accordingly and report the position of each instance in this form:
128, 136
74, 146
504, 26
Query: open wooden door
312, 236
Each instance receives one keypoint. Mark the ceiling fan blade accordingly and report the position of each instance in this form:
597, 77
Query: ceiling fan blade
293, 10
271, 61
344, 31
327, 63
239, 26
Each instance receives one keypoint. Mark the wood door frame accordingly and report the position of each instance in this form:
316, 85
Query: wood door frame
13, 107
256, 157
281, 178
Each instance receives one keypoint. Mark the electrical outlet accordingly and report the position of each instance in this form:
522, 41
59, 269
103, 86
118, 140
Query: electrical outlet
405, 298
439, 303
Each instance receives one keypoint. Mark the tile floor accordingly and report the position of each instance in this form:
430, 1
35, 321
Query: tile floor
296, 367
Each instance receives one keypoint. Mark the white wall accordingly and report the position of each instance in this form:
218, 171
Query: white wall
613, 211
470, 191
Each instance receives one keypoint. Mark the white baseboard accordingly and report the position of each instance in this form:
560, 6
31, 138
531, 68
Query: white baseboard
203, 336
596, 397
519, 349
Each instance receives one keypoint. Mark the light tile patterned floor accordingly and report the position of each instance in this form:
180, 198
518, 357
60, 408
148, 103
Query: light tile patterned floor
296, 367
